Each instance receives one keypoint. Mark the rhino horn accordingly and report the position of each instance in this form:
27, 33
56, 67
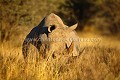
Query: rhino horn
73, 27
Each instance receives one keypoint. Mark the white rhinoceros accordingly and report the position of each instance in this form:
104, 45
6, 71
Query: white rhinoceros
52, 27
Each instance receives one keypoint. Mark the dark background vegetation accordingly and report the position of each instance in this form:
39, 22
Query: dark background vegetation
102, 15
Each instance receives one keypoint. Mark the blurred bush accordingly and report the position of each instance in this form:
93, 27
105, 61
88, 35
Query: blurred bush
104, 15
15, 14
77, 10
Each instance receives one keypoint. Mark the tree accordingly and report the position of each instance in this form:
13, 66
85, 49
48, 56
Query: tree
15, 14
102, 14
78, 10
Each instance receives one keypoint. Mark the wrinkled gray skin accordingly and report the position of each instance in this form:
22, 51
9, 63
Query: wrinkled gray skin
51, 27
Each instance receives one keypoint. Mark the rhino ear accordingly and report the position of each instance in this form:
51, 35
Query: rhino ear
73, 27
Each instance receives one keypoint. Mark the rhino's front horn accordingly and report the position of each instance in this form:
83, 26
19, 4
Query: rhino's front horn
73, 27
51, 28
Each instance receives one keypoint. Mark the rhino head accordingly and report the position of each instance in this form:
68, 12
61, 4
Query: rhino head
58, 30
60, 40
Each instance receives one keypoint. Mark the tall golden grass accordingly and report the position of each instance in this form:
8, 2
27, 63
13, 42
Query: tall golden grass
100, 60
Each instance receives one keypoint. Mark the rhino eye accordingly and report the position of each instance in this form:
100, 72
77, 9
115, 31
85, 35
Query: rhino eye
52, 27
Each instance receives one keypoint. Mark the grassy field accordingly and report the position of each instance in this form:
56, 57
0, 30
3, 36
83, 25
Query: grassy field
100, 60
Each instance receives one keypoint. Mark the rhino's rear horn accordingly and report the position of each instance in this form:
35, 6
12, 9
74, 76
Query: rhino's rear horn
51, 28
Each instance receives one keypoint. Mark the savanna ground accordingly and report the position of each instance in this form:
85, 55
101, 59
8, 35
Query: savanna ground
100, 60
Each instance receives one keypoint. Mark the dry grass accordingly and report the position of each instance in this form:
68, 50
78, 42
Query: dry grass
99, 61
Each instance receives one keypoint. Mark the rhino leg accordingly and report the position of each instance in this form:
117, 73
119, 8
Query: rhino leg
25, 49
